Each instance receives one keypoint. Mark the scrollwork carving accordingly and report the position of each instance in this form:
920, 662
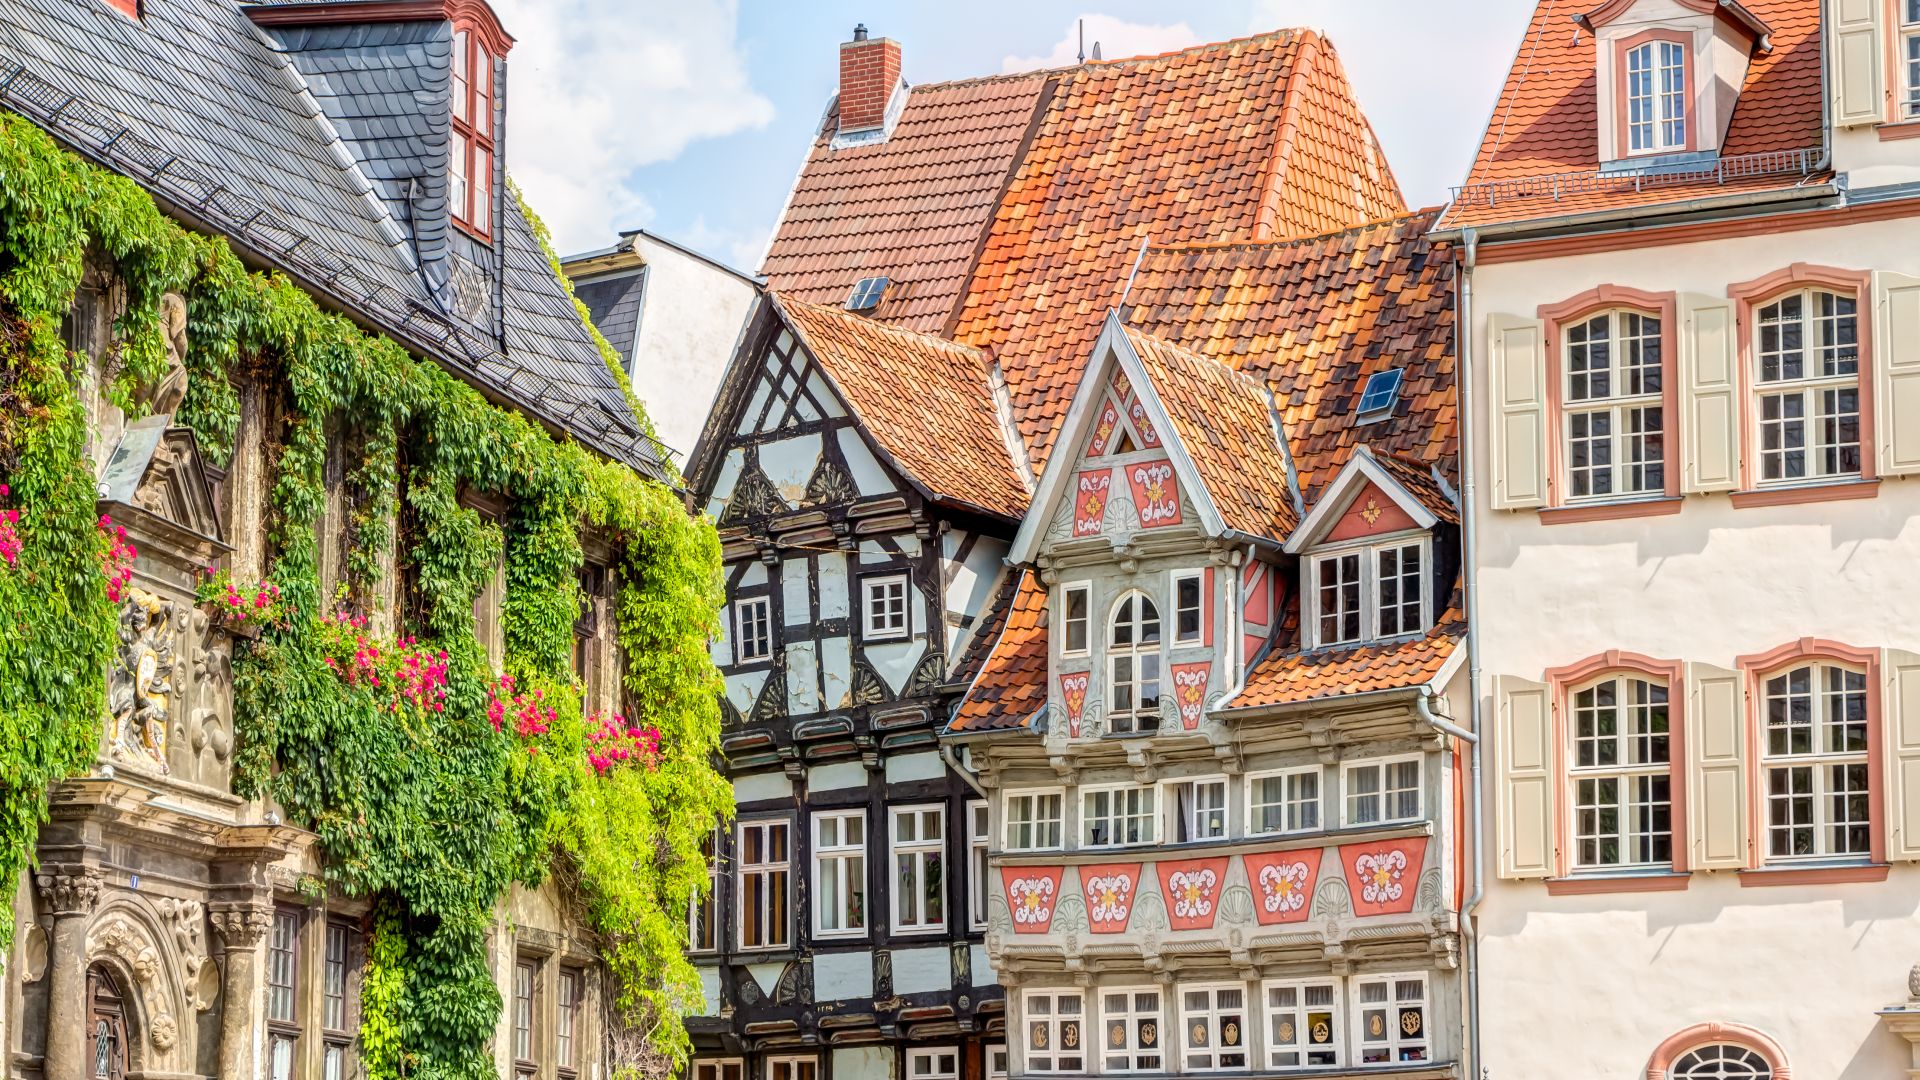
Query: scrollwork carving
121, 938
69, 891
142, 687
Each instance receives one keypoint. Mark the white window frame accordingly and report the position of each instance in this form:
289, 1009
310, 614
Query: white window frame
1034, 797
1907, 55
1084, 589
716, 1069
1135, 1057
1665, 107
1170, 799
847, 862
1174, 580
1001, 1069
1383, 764
1136, 718
1394, 1040
979, 866
1623, 408
1211, 1016
1818, 762
924, 1063
1143, 814
917, 853
1369, 610
741, 608
877, 607
1299, 1015
744, 869
1809, 389
1631, 774
1053, 1059
1288, 803
802, 1067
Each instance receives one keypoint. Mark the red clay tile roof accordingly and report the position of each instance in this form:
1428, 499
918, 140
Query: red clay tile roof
912, 208
1011, 688
1225, 423
1545, 125
1288, 677
924, 399
1418, 479
1313, 318
1244, 140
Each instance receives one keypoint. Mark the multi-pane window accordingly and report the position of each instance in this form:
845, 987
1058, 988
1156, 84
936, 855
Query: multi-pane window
526, 981
1398, 595
1055, 1031
884, 609
919, 868
1130, 1021
566, 1020
1382, 792
761, 856
283, 982
1110, 817
1622, 779
1378, 591
1196, 810
1213, 1027
336, 1012
1336, 592
1075, 619
1909, 59
471, 166
840, 874
1818, 783
1807, 348
1391, 1017
998, 1067
1720, 1061
1034, 820
1615, 430
1284, 801
703, 927
719, 1070
752, 629
1189, 608
793, 1068
979, 874
1133, 659
1303, 1024
1656, 94
939, 1063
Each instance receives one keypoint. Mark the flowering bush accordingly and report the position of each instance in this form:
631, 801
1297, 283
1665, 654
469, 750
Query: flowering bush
241, 605
408, 673
611, 740
9, 532
117, 563
529, 712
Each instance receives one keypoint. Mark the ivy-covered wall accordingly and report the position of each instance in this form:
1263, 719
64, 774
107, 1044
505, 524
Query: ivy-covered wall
433, 786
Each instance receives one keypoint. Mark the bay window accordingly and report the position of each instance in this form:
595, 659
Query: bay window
1817, 781
1613, 419
1622, 773
919, 868
1054, 1031
1806, 348
1133, 666
1130, 1017
1116, 816
840, 874
1656, 90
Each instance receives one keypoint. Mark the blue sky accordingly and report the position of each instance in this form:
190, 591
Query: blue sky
690, 117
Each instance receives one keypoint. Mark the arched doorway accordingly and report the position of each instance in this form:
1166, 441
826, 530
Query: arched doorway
106, 1025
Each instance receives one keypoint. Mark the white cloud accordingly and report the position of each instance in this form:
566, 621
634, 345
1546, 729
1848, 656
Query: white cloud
598, 89
1117, 38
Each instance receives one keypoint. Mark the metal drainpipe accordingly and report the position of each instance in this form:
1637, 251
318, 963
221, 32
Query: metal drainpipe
1464, 336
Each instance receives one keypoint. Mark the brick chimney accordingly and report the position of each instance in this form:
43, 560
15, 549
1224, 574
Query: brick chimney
869, 70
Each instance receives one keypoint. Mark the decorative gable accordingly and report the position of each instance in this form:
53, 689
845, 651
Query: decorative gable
1668, 73
157, 472
1365, 499
1371, 512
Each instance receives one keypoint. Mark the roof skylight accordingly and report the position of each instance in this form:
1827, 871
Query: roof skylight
1376, 401
866, 294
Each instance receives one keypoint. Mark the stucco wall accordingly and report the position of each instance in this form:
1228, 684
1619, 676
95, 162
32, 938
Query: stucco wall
689, 323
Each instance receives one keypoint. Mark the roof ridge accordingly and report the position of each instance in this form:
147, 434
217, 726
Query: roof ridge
874, 324
1278, 33
1197, 357
1287, 241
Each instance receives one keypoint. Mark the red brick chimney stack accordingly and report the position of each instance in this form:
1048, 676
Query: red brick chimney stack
869, 70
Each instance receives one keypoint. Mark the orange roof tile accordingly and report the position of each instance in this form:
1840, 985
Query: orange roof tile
1244, 140
1288, 677
1418, 480
912, 208
1225, 423
1012, 685
1545, 128
1313, 319
924, 399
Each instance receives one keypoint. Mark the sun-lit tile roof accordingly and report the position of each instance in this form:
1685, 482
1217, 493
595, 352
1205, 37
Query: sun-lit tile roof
1313, 318
1011, 688
1286, 677
1544, 126
1225, 423
1418, 479
924, 399
911, 208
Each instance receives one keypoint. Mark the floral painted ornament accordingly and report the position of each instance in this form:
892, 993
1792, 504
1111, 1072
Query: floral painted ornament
1073, 693
1190, 691
1109, 891
1032, 892
1156, 493
1191, 891
1104, 430
1383, 876
1090, 491
1283, 884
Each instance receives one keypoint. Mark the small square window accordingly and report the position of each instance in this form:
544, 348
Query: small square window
1033, 819
939, 1063
1189, 607
752, 629
866, 294
1075, 603
1197, 810
884, 610
1391, 1015
1284, 802
1377, 400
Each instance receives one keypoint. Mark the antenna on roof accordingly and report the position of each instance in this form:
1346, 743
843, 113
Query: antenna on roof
1081, 56
1127, 289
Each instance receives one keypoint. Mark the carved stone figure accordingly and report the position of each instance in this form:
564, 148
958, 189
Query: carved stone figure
163, 397
140, 688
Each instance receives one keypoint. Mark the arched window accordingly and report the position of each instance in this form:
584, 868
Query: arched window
1806, 353
1614, 392
1622, 772
1133, 665
1815, 771
1718, 1051
1656, 97
1721, 1061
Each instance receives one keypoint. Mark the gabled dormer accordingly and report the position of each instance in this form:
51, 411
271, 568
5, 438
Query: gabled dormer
1668, 74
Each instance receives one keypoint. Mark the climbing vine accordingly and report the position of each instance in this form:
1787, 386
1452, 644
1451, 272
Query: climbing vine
432, 784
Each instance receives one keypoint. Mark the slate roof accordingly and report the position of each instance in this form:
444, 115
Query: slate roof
1313, 318
1540, 154
613, 302
923, 399
194, 103
1288, 676
1225, 423
1011, 688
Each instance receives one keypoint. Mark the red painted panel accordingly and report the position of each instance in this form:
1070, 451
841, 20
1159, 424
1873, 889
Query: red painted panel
1156, 493
1142, 424
1103, 431
1073, 692
1090, 491
1282, 884
1109, 891
1371, 513
1383, 875
1259, 611
1190, 691
1032, 892
1191, 890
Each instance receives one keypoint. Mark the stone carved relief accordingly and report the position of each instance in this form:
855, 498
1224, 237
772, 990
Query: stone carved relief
1334, 902
1070, 915
1150, 911
124, 938
1236, 904
120, 937
143, 685
787, 990
882, 974
69, 890
241, 926
187, 920
927, 675
868, 689
830, 485
1428, 898
33, 952
205, 744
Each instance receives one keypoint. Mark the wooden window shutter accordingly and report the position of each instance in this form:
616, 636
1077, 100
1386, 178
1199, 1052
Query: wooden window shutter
1896, 372
1523, 774
1859, 93
1709, 394
1716, 768
1902, 720
1519, 396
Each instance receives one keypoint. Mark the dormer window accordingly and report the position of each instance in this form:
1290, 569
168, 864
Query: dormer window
1367, 592
470, 169
1656, 87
